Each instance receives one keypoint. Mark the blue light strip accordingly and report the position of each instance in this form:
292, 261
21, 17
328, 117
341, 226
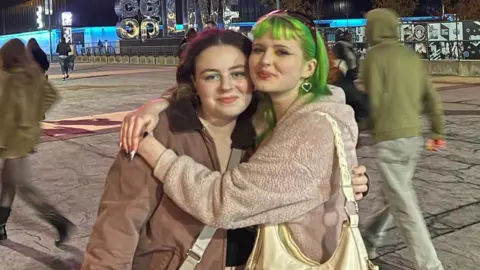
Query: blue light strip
93, 34
350, 22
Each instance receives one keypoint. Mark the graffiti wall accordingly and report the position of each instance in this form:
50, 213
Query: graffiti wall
432, 41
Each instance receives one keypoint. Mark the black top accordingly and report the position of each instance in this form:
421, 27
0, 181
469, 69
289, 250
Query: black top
63, 49
355, 98
240, 244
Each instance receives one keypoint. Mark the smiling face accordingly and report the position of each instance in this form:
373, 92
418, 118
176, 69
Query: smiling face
277, 66
222, 82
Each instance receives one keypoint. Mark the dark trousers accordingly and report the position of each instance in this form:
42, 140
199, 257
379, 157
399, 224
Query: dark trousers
64, 61
16, 181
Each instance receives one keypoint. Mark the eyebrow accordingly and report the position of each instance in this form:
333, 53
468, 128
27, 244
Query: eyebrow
216, 70
274, 45
281, 46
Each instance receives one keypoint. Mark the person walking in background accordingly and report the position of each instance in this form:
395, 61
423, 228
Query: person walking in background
25, 96
39, 55
345, 79
72, 54
63, 49
344, 50
399, 91
210, 25
190, 35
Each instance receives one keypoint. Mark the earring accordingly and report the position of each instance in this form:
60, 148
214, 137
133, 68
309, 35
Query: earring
306, 87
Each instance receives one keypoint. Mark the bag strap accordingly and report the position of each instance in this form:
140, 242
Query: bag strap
351, 206
195, 253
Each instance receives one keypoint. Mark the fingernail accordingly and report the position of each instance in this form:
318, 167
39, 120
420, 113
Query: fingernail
120, 144
132, 154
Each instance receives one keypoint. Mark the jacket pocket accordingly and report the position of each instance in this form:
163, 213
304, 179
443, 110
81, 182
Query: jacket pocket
160, 259
169, 259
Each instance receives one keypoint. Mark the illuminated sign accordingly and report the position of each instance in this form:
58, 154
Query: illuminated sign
67, 34
40, 23
133, 26
67, 19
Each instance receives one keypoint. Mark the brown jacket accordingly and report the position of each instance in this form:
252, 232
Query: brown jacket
25, 96
138, 226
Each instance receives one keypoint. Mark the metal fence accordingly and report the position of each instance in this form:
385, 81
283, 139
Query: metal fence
432, 41
128, 51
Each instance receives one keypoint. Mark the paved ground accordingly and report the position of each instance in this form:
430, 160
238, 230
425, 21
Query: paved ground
80, 143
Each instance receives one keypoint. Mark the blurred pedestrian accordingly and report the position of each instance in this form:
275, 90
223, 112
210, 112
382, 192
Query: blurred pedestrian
39, 55
63, 50
399, 91
25, 96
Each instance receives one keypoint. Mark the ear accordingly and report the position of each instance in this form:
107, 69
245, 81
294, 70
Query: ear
309, 68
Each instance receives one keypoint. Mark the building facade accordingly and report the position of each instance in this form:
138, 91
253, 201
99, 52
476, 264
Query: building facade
22, 16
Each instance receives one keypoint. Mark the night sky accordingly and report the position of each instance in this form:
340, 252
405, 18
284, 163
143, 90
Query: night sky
7, 3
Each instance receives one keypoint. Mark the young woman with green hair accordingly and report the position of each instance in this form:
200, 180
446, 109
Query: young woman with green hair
293, 177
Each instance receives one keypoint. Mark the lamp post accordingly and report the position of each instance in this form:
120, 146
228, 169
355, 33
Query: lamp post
278, 4
48, 12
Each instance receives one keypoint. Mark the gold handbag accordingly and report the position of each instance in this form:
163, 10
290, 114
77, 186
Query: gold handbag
275, 249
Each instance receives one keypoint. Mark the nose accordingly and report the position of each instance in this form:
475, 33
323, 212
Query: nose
227, 83
267, 58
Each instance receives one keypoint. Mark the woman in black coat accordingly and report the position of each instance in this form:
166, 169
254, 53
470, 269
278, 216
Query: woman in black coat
345, 79
38, 54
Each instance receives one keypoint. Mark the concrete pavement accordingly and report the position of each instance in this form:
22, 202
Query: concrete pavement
81, 141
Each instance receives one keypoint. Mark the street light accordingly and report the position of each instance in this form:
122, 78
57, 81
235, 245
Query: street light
49, 13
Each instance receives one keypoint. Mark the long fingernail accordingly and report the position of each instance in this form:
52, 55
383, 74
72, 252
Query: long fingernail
120, 144
132, 154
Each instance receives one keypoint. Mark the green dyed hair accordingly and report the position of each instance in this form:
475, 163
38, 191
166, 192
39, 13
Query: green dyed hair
283, 26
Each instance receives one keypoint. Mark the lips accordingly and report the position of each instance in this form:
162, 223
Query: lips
264, 75
228, 100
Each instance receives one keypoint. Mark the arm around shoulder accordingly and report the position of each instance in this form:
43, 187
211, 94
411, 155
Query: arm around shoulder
287, 177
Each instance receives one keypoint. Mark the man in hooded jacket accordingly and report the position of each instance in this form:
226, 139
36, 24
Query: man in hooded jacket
399, 91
